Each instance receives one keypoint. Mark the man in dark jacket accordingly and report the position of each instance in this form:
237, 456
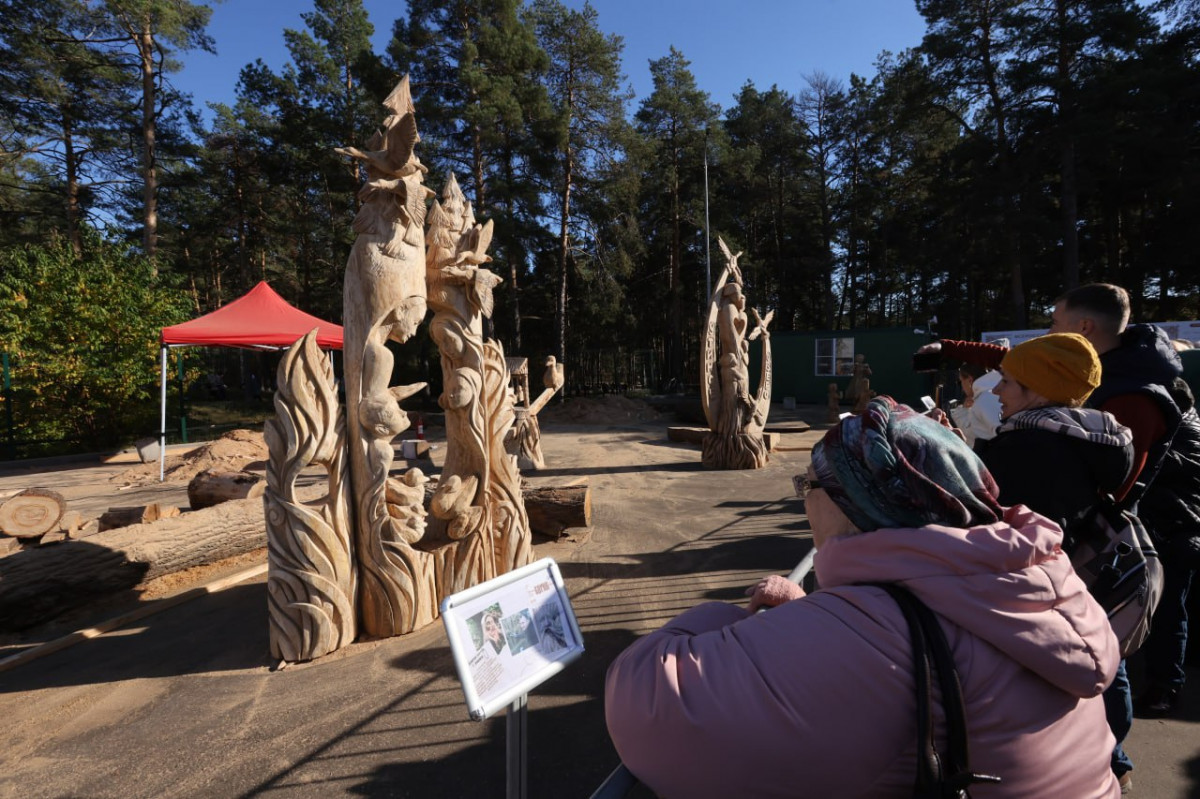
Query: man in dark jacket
1142, 386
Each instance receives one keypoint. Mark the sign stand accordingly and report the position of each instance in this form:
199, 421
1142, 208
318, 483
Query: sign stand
508, 636
515, 746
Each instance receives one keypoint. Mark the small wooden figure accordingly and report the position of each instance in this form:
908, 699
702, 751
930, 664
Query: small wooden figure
834, 399
864, 396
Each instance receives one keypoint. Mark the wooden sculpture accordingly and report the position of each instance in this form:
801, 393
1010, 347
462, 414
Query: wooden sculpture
735, 418
310, 577
397, 547
385, 300
525, 440
477, 502
858, 378
833, 407
864, 396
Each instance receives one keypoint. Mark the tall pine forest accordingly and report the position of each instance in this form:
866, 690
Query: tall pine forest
1025, 147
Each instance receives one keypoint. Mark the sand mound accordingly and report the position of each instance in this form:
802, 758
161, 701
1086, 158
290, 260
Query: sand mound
231, 452
606, 409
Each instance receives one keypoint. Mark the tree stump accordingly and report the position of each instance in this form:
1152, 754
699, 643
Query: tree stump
211, 487
32, 513
127, 515
555, 508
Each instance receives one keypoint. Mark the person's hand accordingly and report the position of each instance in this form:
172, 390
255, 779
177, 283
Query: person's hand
772, 591
939, 416
932, 348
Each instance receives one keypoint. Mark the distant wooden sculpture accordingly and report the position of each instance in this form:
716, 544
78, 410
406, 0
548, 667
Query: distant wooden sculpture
310, 575
858, 378
735, 418
864, 396
477, 503
834, 407
525, 440
385, 300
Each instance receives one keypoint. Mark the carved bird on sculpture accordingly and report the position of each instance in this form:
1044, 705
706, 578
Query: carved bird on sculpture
553, 376
760, 324
735, 272
393, 156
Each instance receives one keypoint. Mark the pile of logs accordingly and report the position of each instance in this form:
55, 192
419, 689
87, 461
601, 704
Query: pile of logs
129, 545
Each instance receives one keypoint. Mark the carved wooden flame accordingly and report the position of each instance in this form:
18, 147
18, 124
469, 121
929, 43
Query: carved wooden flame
310, 576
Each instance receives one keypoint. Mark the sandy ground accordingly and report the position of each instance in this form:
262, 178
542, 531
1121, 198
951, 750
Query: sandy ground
187, 703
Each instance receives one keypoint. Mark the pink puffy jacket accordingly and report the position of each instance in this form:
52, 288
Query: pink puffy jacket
815, 698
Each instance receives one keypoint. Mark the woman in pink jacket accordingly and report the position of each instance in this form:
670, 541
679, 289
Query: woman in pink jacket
815, 698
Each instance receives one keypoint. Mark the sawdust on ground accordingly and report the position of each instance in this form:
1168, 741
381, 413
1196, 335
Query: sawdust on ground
605, 409
233, 451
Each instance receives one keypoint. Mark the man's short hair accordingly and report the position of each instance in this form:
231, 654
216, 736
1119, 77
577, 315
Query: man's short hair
1105, 304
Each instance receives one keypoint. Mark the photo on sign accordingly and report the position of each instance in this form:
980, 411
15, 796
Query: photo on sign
552, 628
487, 630
520, 632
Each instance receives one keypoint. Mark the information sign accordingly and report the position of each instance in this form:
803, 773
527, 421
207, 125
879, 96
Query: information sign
510, 634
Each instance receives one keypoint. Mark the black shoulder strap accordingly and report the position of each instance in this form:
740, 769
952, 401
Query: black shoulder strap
936, 778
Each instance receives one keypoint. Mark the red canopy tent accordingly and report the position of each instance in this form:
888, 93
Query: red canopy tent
260, 319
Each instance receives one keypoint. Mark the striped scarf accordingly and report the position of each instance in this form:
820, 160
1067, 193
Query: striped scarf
1098, 427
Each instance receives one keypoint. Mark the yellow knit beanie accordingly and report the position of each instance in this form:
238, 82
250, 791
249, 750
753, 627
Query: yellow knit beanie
1062, 367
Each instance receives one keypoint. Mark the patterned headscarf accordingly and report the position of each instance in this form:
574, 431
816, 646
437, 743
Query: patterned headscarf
894, 467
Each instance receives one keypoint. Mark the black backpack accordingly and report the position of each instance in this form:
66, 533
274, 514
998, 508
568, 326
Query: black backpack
1115, 557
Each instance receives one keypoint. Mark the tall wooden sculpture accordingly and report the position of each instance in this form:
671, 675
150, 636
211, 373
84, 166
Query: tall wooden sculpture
478, 497
735, 418
310, 579
384, 546
385, 300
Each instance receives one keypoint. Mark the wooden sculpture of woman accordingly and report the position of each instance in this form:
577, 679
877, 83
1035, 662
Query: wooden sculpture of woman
385, 300
736, 418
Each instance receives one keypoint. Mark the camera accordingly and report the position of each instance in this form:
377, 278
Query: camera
926, 361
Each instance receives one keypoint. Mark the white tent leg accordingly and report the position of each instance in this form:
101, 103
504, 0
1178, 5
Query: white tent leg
162, 424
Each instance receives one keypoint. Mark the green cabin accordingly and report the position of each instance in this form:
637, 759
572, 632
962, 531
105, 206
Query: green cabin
805, 363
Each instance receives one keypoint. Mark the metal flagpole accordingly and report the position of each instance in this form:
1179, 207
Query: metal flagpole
707, 237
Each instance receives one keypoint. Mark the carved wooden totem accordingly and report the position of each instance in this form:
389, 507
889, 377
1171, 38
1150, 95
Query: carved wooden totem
385, 300
382, 546
477, 502
310, 577
525, 440
735, 418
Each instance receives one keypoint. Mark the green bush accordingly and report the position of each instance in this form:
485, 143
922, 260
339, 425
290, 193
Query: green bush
81, 333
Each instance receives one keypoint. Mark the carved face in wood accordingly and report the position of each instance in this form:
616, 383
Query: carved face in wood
461, 389
407, 319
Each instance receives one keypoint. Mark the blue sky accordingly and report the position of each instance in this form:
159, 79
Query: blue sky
765, 41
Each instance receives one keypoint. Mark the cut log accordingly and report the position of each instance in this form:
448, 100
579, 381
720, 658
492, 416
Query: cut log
33, 512
553, 509
126, 515
40, 583
211, 487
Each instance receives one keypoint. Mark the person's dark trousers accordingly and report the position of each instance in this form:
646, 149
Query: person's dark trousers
1118, 709
1166, 647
